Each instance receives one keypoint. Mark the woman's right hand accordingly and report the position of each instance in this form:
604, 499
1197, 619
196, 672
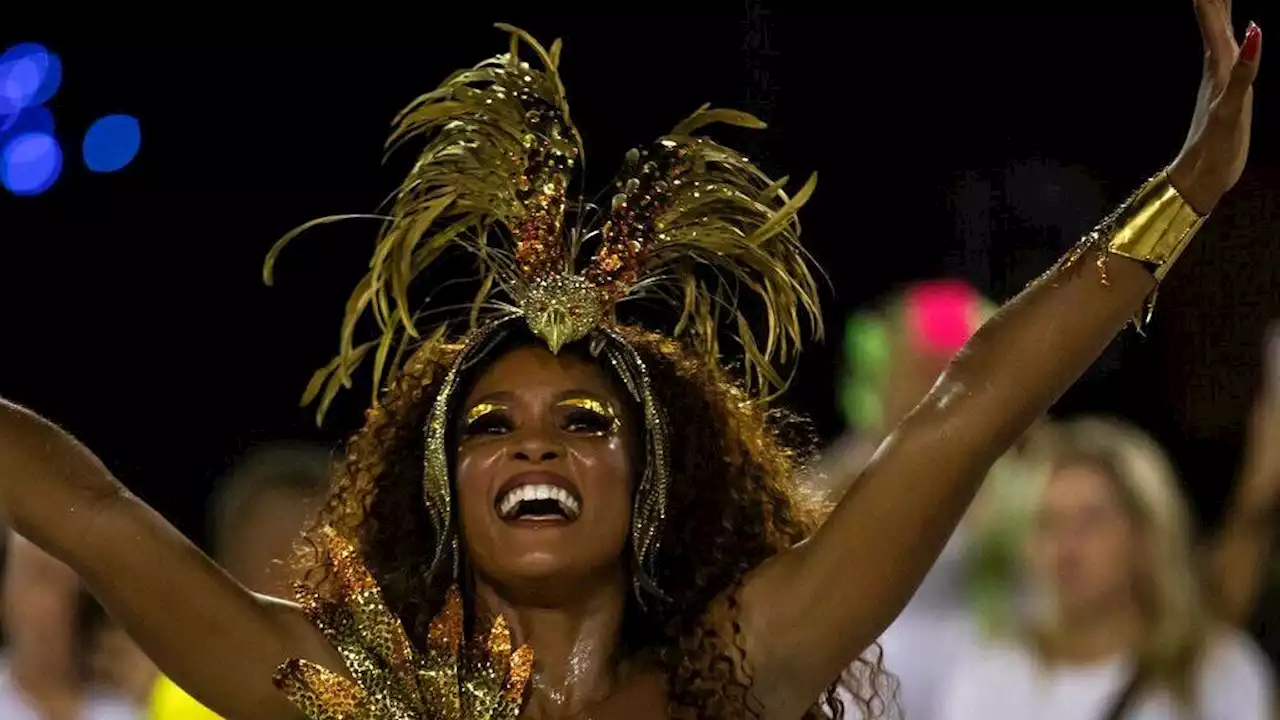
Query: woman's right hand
1217, 145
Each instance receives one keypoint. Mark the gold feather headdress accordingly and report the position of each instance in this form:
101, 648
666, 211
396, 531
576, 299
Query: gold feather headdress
692, 224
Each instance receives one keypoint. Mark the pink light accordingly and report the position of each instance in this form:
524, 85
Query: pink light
941, 315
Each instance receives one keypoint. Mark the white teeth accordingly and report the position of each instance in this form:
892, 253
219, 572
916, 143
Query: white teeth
508, 503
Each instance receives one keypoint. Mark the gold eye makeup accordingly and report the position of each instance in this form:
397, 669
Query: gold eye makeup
481, 409
486, 419
591, 416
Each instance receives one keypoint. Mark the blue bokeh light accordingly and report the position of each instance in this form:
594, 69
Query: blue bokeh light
29, 75
30, 163
111, 143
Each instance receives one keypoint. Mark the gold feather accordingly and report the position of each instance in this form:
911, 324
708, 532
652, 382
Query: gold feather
688, 203
694, 224
499, 153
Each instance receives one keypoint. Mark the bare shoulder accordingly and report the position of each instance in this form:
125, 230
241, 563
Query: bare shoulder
761, 639
299, 634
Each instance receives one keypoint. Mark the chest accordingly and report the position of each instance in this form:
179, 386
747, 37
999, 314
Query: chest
642, 698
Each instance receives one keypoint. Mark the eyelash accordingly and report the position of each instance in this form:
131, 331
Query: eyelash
489, 424
595, 423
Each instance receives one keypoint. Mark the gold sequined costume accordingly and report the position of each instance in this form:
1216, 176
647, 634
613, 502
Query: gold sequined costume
391, 679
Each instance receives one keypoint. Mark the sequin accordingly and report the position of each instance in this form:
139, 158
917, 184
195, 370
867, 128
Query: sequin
1153, 226
452, 680
563, 309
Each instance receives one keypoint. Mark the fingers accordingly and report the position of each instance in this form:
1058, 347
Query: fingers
1214, 18
1246, 67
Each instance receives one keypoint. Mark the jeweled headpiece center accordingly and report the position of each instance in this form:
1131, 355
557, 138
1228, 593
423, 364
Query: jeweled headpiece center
563, 308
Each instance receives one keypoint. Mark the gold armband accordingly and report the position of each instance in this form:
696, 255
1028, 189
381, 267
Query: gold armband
1153, 227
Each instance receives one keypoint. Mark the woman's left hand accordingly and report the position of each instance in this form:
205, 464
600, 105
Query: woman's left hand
1213, 157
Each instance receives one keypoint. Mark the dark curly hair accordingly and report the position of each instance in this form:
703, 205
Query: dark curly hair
753, 509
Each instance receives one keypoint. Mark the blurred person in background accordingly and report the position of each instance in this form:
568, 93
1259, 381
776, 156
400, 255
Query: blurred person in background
4, 562
1120, 625
116, 662
44, 673
259, 509
256, 514
894, 355
1244, 547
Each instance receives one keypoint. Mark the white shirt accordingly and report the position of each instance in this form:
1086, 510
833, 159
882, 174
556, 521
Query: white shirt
939, 626
921, 650
1004, 681
933, 632
96, 706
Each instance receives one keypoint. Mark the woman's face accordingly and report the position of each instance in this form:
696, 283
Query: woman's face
544, 472
1085, 545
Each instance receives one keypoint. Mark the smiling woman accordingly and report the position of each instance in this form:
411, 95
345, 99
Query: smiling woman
695, 580
529, 423
556, 470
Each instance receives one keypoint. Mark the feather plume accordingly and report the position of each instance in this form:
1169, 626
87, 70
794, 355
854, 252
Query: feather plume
499, 153
688, 203
693, 224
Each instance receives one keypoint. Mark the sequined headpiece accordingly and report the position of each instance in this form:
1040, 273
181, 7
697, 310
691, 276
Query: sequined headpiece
692, 224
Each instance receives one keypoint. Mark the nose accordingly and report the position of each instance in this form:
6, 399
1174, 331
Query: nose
536, 445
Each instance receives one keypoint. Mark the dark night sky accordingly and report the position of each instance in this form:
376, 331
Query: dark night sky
133, 310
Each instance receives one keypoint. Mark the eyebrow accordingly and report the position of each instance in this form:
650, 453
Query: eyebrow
579, 394
600, 407
503, 399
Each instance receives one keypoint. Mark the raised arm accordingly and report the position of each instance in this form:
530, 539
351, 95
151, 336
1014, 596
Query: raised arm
203, 629
807, 613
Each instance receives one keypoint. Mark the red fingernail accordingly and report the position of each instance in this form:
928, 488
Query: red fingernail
1252, 41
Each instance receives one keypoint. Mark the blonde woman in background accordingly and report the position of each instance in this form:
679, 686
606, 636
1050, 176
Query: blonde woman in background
1119, 627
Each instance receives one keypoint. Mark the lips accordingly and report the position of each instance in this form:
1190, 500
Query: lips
538, 497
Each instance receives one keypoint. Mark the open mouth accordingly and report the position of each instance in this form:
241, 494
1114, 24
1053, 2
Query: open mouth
538, 503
